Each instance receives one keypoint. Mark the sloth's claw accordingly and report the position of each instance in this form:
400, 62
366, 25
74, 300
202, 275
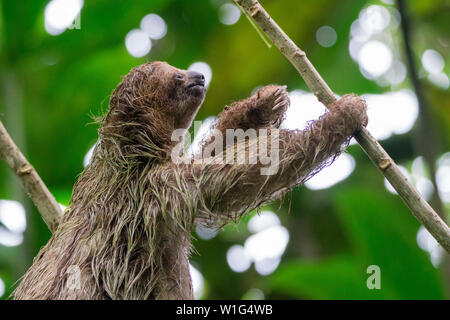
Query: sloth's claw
282, 103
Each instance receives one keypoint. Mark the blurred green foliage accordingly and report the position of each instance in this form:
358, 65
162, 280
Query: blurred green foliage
52, 85
376, 236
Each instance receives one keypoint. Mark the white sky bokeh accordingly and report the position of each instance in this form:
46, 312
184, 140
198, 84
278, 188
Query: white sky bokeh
443, 177
304, 107
421, 179
269, 243
428, 243
154, 26
375, 58
138, 43
266, 266
338, 171
371, 45
374, 19
440, 79
238, 259
432, 61
229, 14
391, 113
2, 288
396, 73
198, 282
12, 216
264, 220
264, 247
10, 239
87, 158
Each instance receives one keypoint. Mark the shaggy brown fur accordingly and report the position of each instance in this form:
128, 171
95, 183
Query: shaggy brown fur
126, 234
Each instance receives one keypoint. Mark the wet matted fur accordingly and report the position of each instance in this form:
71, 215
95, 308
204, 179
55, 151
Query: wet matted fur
126, 233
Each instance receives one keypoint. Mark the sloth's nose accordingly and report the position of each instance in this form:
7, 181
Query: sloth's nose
196, 77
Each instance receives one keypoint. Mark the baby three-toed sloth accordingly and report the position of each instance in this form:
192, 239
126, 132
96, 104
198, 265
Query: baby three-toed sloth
126, 234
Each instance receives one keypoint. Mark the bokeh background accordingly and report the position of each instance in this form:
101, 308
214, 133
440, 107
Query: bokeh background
60, 60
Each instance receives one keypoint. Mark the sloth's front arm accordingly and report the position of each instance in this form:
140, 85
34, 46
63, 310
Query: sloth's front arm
224, 190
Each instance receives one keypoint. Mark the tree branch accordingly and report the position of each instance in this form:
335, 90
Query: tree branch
410, 196
33, 184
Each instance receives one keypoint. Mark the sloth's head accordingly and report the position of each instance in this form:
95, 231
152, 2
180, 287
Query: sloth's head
157, 87
152, 100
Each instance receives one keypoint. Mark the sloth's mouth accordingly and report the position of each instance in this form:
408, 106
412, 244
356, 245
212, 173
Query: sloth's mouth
196, 81
197, 84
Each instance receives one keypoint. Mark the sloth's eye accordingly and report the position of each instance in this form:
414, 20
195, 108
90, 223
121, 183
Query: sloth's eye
178, 76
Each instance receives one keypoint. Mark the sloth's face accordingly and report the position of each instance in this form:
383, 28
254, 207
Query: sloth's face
157, 91
180, 92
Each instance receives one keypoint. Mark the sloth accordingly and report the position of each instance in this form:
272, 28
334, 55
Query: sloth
127, 231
